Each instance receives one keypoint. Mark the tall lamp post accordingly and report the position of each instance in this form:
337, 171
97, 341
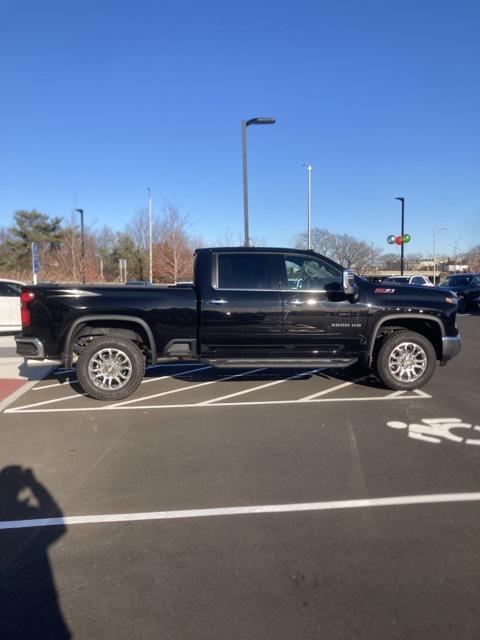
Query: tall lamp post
150, 245
402, 200
434, 252
245, 124
80, 211
308, 167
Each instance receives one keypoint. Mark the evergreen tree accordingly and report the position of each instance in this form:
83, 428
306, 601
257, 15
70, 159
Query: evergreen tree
31, 226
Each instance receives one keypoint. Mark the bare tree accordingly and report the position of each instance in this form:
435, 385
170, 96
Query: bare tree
139, 232
226, 239
473, 258
343, 248
174, 255
322, 242
352, 253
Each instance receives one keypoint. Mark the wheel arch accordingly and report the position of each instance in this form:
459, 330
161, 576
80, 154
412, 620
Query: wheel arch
429, 326
127, 326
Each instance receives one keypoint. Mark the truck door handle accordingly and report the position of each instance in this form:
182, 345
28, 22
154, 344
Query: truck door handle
296, 302
218, 301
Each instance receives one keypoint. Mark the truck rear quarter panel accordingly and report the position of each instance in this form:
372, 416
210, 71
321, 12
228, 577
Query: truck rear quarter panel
169, 312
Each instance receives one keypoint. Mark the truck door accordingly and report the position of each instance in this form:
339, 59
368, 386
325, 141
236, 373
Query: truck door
319, 320
241, 306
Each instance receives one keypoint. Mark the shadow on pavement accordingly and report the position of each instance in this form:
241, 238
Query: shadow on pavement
29, 605
349, 374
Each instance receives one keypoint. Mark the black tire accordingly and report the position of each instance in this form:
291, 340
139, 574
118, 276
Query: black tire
392, 348
461, 304
129, 377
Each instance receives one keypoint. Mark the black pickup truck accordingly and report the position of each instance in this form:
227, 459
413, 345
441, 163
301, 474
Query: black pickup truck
246, 307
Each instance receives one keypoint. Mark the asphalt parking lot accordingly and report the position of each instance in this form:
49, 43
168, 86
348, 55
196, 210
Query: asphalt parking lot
244, 504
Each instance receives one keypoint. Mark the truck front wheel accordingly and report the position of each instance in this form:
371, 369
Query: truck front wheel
405, 360
110, 368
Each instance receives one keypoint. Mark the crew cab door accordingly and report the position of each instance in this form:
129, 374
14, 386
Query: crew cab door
320, 321
241, 306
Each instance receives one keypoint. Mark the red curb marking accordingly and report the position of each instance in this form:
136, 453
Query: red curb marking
9, 385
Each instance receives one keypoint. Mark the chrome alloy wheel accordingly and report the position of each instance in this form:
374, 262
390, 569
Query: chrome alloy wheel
109, 369
407, 362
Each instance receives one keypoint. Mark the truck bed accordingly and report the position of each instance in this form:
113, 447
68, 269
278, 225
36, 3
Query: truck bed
170, 312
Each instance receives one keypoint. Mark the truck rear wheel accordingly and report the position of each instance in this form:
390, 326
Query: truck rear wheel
406, 360
110, 368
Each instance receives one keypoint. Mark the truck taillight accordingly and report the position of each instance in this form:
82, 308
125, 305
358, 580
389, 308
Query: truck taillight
25, 298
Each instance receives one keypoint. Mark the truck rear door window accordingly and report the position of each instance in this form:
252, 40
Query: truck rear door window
243, 271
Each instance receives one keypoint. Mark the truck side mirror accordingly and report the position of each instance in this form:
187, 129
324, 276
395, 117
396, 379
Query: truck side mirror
350, 287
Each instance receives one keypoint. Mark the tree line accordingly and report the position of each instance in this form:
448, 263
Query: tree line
173, 248
60, 248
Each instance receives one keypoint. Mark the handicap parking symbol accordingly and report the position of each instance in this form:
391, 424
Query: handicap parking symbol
437, 429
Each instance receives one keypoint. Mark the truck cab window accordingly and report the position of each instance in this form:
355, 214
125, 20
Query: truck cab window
243, 271
308, 273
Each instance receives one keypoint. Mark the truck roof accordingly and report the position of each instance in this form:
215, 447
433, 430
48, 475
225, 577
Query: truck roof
257, 250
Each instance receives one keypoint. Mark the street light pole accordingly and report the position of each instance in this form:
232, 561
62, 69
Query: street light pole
150, 245
402, 200
245, 184
309, 205
244, 125
434, 253
80, 211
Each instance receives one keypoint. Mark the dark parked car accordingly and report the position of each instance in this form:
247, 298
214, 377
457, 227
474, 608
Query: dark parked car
467, 288
247, 307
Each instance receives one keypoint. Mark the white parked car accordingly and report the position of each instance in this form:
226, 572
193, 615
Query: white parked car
418, 280
10, 319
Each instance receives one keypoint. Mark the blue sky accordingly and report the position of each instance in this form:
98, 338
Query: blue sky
104, 98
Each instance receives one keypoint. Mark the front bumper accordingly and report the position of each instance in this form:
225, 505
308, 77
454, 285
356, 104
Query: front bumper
30, 348
451, 346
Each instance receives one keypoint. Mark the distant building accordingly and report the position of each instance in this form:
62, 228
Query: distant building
425, 264
453, 268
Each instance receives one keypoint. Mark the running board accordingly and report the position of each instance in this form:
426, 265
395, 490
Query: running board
282, 363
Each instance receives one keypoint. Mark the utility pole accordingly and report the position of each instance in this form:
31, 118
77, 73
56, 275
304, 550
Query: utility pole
150, 238
309, 205
402, 200
455, 253
80, 211
122, 267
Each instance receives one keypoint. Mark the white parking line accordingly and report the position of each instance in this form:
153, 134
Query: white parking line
144, 381
194, 386
55, 384
76, 395
39, 404
338, 386
361, 503
416, 395
176, 375
262, 386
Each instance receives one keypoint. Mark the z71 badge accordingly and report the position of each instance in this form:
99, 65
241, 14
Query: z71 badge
382, 290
